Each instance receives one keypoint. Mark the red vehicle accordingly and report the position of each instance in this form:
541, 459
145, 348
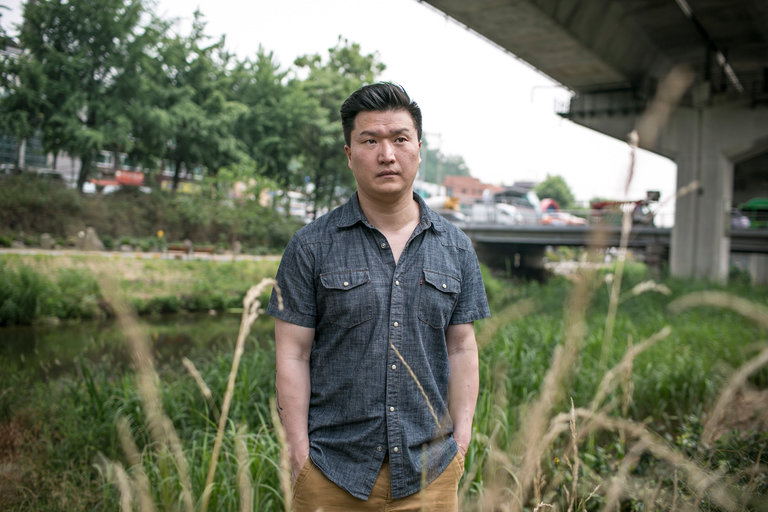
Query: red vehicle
551, 215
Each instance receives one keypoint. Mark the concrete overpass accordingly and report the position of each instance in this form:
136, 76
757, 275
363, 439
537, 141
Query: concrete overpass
615, 56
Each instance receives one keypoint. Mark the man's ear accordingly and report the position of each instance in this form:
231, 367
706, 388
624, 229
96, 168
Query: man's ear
349, 154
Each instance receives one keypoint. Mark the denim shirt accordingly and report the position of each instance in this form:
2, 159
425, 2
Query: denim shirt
379, 327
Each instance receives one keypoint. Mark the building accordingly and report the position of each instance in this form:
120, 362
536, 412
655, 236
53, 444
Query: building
467, 189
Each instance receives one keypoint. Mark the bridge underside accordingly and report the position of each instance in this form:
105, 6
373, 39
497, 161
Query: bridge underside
615, 56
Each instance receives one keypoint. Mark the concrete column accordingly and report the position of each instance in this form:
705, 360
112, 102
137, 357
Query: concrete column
707, 142
758, 268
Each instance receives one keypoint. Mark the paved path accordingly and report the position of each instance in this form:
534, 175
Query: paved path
170, 255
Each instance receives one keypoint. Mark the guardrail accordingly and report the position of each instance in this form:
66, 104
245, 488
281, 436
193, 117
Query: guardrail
742, 240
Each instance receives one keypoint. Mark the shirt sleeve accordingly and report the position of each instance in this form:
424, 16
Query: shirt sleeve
295, 278
472, 304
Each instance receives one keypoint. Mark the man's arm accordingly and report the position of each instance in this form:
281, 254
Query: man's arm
293, 345
463, 383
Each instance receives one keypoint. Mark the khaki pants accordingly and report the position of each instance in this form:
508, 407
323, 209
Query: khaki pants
313, 492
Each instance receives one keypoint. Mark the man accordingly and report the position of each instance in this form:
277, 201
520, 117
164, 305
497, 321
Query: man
376, 360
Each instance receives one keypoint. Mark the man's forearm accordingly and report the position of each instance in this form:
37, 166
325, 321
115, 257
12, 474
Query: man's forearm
463, 384
292, 387
292, 402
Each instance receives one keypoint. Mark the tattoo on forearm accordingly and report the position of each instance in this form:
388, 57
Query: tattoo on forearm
278, 406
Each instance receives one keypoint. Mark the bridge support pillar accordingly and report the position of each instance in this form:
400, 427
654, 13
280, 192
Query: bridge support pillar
758, 268
706, 143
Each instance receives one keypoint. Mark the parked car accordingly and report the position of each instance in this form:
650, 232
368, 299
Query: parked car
739, 220
560, 218
552, 215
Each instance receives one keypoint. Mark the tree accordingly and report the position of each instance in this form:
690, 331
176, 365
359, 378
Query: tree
81, 48
326, 86
275, 111
435, 166
556, 188
201, 114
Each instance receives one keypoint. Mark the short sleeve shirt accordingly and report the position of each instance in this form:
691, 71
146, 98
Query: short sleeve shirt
379, 362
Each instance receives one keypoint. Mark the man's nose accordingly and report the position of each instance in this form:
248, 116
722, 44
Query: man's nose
386, 151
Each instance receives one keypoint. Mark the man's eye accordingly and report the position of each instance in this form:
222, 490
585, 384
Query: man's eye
401, 139
369, 141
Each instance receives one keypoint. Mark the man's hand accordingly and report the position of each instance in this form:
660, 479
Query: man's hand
298, 459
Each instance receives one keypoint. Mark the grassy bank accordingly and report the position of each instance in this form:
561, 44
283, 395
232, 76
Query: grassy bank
565, 418
49, 288
30, 207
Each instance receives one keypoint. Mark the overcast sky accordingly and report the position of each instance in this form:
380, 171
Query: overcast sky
477, 100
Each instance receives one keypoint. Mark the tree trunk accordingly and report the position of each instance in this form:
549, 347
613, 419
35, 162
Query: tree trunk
85, 171
176, 175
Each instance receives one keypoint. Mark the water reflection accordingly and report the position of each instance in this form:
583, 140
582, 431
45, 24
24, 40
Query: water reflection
50, 351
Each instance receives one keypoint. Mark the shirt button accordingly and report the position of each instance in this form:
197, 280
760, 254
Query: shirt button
395, 324
397, 283
391, 409
444, 285
379, 448
383, 245
394, 367
346, 283
395, 449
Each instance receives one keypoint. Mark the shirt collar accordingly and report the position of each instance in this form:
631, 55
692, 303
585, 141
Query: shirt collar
351, 214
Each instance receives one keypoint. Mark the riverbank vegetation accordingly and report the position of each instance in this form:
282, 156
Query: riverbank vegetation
580, 408
50, 288
130, 219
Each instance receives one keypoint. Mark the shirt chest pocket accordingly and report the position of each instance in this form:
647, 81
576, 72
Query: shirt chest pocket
437, 298
346, 297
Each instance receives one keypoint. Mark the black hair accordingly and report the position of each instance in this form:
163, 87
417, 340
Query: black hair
378, 97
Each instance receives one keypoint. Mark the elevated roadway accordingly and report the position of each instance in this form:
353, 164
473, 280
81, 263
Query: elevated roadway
522, 248
742, 240
618, 57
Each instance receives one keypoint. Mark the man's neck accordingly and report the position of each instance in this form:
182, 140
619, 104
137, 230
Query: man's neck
392, 215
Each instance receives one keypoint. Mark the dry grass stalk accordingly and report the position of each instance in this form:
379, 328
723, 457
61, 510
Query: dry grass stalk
421, 388
611, 377
285, 464
508, 315
204, 389
619, 482
244, 481
668, 95
251, 311
613, 304
160, 427
535, 421
645, 286
698, 479
124, 485
576, 460
755, 312
726, 398
140, 481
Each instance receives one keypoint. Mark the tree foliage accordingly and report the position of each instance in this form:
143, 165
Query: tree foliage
328, 83
435, 165
556, 188
109, 75
79, 56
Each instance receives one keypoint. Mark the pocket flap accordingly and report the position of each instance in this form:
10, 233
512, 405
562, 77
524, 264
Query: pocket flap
344, 280
443, 282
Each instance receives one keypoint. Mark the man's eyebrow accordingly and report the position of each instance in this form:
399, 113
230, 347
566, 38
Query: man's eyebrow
396, 131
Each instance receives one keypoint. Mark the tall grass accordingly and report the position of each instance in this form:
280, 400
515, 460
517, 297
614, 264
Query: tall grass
605, 391
614, 434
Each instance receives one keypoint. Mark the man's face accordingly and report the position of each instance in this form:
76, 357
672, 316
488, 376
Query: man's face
383, 153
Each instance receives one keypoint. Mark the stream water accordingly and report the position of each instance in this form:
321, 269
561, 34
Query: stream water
50, 351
